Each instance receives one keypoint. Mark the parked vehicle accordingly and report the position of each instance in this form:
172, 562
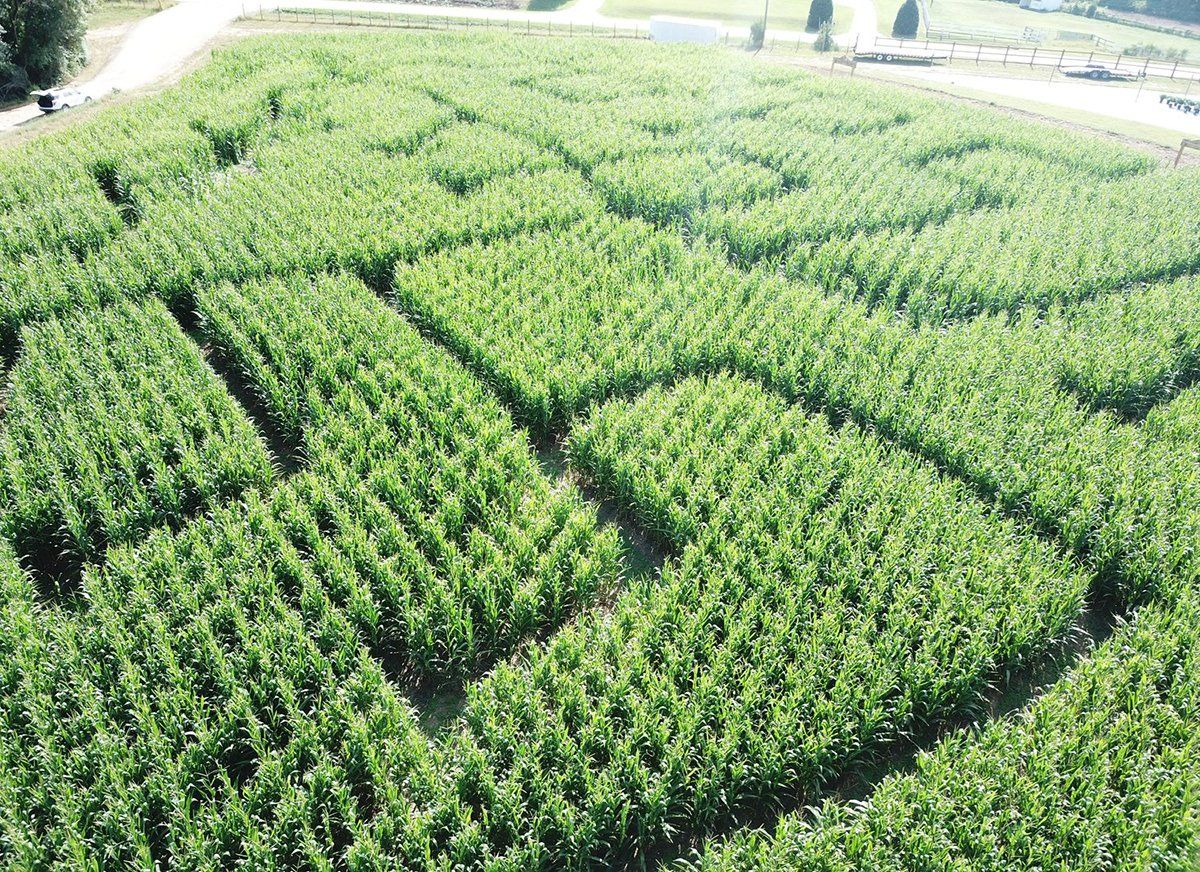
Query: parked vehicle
61, 98
1101, 72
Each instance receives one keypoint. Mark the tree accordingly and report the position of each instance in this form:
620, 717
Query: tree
14, 84
820, 12
44, 38
824, 41
908, 20
758, 33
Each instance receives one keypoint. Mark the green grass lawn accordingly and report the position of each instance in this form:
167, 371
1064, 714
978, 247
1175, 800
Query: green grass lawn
886, 11
109, 14
993, 15
784, 14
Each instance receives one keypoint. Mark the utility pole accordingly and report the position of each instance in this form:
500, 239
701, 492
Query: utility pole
766, 11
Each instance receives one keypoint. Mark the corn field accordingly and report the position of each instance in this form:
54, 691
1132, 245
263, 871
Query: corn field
486, 452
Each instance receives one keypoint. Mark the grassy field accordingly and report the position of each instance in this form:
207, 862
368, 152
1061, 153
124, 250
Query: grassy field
108, 14
784, 14
597, 455
1008, 18
885, 11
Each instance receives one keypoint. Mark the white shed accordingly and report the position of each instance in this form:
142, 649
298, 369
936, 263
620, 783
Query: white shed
668, 28
1042, 5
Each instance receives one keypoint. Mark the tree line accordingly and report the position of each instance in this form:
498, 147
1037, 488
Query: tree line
41, 42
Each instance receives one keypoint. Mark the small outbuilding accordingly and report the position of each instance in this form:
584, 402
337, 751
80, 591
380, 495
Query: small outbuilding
668, 28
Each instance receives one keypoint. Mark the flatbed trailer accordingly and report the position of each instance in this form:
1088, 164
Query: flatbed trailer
901, 56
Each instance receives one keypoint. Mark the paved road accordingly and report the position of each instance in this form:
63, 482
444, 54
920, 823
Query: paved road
1113, 101
1031, 56
157, 46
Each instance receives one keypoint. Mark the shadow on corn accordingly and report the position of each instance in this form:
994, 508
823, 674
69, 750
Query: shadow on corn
439, 705
643, 554
286, 454
1008, 695
1002, 693
55, 567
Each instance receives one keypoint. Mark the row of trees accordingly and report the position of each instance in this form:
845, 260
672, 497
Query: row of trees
41, 42
906, 23
908, 18
1180, 10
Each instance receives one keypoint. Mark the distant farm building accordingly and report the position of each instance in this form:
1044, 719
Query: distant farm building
667, 28
1042, 5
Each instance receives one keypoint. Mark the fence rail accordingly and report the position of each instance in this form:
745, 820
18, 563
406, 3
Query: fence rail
417, 21
1009, 55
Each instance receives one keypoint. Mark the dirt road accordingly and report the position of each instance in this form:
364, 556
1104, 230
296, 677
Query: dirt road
151, 50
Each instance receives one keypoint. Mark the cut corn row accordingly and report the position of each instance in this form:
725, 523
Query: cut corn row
211, 709
114, 424
560, 323
462, 158
212, 701
1131, 352
424, 510
828, 595
1103, 771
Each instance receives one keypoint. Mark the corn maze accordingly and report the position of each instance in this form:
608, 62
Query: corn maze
457, 452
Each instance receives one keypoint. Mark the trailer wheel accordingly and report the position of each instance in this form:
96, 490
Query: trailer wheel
889, 58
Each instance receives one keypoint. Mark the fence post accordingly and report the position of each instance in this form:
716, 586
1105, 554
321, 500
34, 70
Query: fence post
978, 54
1004, 60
